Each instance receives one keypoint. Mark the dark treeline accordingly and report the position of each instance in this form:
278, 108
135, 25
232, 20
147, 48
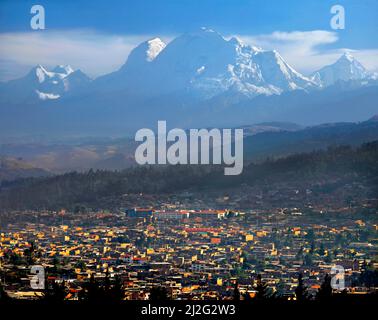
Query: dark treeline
113, 291
341, 163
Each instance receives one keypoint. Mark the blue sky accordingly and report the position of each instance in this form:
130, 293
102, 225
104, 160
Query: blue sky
97, 36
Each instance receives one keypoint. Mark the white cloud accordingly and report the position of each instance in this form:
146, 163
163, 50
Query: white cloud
307, 51
94, 53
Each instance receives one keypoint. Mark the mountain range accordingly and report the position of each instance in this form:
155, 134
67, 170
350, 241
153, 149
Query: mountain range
273, 140
197, 79
12, 169
43, 85
341, 175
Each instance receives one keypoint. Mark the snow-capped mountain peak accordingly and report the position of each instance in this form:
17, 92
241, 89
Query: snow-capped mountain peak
202, 64
42, 84
155, 46
347, 56
142, 55
346, 68
42, 74
63, 69
206, 64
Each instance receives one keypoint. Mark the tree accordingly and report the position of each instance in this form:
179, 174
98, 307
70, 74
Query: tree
310, 235
113, 292
80, 264
92, 291
328, 258
56, 263
159, 294
307, 260
325, 291
262, 289
321, 250
236, 296
3, 295
57, 292
299, 253
312, 247
117, 292
369, 278
280, 287
301, 290
30, 254
108, 291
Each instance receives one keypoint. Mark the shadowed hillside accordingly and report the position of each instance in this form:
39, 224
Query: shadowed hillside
332, 168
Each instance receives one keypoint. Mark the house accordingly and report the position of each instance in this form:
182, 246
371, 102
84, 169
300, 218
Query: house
139, 213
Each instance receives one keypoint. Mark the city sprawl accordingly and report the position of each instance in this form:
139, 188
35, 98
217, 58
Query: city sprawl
193, 254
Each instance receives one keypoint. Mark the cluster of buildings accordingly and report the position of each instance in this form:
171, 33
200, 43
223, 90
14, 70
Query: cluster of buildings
195, 254
175, 214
